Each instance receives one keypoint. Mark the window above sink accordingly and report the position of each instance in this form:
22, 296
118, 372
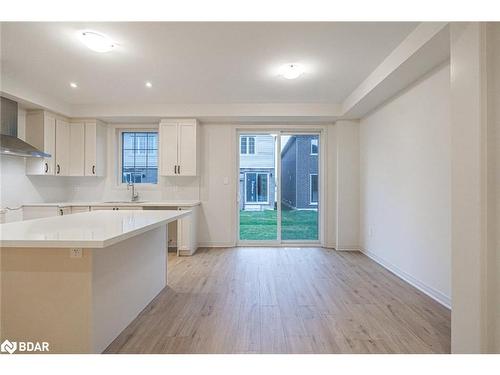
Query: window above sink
139, 156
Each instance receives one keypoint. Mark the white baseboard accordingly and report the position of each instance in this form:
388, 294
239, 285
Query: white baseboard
348, 248
216, 244
430, 291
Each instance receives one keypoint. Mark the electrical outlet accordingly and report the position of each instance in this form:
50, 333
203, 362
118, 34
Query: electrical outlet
75, 253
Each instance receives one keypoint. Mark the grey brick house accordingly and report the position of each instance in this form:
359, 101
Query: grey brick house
257, 172
299, 172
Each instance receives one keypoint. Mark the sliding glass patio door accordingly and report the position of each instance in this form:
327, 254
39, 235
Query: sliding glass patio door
299, 187
278, 196
258, 219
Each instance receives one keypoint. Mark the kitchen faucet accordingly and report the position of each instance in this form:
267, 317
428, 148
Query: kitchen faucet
135, 195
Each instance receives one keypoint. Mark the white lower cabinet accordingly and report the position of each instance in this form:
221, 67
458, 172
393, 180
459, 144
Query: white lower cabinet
37, 212
115, 208
79, 209
187, 229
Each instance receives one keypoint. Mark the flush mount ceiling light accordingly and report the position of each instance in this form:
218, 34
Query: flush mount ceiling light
291, 71
149, 85
96, 42
73, 85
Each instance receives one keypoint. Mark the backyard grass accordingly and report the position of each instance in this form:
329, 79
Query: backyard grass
296, 225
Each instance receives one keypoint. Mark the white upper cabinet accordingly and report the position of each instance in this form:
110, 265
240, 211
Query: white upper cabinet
62, 148
77, 149
187, 149
41, 133
88, 148
95, 149
178, 147
168, 149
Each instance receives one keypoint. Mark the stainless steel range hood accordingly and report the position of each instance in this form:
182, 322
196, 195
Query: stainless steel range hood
9, 143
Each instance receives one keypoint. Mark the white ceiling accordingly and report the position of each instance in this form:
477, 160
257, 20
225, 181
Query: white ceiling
197, 62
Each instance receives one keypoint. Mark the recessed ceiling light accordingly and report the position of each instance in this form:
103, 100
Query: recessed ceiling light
291, 71
149, 84
96, 42
73, 85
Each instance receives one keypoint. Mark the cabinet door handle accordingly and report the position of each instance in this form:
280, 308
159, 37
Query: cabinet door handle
93, 169
179, 169
46, 167
175, 169
58, 168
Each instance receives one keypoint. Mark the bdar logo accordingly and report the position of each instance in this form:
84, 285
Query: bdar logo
24, 346
8, 347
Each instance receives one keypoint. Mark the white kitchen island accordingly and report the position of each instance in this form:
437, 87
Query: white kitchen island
77, 281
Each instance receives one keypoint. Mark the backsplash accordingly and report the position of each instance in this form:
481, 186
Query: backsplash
103, 189
16, 188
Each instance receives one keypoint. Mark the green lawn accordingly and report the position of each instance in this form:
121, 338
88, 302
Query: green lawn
296, 225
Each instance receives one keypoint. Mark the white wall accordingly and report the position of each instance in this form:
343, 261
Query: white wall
16, 188
218, 158
347, 150
472, 318
494, 186
405, 184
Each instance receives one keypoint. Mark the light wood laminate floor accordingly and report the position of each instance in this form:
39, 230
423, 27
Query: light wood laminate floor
285, 300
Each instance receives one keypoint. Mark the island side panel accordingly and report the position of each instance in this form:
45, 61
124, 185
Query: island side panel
46, 296
126, 276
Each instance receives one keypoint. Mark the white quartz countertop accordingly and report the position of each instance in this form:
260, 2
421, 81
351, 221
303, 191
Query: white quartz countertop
95, 229
173, 203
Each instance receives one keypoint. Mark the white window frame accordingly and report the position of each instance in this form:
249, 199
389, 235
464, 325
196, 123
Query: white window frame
256, 179
119, 140
317, 148
247, 145
310, 189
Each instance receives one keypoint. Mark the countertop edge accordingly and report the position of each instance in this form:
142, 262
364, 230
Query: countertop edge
115, 204
89, 244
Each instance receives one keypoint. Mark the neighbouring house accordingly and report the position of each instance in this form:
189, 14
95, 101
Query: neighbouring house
257, 172
299, 172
